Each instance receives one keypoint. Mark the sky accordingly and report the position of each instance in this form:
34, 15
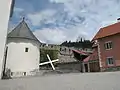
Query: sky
55, 21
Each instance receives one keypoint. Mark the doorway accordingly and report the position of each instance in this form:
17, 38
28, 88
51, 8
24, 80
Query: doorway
86, 67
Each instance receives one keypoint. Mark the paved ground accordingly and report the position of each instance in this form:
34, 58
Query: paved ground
76, 81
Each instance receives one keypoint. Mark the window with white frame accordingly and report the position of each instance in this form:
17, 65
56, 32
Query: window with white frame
110, 61
108, 45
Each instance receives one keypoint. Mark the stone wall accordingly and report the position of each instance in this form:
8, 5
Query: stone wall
70, 67
117, 68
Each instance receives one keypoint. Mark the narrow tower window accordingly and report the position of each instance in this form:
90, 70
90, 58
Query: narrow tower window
24, 73
11, 73
26, 49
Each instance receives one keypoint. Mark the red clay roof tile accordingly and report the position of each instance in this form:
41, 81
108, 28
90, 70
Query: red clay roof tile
93, 56
108, 31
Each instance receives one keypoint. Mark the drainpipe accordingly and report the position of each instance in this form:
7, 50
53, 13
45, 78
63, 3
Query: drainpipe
100, 63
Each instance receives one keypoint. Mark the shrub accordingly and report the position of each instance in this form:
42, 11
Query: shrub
52, 53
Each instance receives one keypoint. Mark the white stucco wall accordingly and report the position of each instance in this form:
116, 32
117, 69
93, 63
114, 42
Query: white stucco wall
4, 17
20, 61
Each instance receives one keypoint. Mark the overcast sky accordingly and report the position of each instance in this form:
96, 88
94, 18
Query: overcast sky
54, 21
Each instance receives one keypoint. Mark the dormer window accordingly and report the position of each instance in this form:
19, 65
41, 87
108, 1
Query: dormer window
26, 49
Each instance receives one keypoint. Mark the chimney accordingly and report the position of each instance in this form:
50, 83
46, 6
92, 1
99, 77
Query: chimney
118, 20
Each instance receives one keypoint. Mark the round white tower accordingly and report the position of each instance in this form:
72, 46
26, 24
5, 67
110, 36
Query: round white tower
23, 54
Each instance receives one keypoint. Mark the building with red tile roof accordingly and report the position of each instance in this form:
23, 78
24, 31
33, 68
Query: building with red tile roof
108, 31
107, 42
91, 63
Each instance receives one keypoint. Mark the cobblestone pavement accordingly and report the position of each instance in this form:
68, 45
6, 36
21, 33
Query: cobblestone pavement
74, 81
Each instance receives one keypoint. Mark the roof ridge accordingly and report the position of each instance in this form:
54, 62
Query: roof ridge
15, 27
110, 25
30, 30
107, 31
22, 30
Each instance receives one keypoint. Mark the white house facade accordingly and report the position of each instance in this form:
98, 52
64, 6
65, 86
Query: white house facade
23, 55
5, 6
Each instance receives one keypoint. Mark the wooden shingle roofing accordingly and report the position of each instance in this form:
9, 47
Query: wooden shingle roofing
22, 31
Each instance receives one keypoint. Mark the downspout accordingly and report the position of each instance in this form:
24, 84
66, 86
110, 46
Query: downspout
99, 56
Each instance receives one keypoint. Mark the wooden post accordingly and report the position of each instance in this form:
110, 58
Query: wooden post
84, 68
88, 67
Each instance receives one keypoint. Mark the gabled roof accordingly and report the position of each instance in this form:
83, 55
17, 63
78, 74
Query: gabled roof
108, 31
66, 59
80, 52
22, 31
92, 57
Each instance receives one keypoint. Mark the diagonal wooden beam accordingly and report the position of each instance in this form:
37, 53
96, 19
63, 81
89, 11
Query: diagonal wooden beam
50, 61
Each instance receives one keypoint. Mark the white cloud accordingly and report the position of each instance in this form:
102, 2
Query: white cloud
18, 10
100, 10
58, 35
11, 26
38, 16
50, 36
60, 1
96, 14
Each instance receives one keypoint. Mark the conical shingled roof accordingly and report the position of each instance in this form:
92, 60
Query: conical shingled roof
22, 31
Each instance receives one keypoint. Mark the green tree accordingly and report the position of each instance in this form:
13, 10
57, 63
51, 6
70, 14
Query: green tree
52, 53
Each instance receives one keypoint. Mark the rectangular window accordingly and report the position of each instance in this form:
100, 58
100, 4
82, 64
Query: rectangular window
11, 73
110, 61
108, 45
24, 73
51, 46
26, 49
